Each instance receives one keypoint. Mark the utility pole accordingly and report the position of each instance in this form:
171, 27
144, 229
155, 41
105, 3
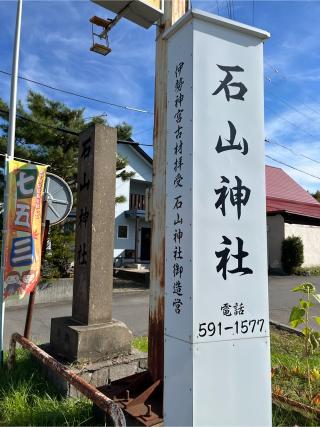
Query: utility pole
10, 154
173, 10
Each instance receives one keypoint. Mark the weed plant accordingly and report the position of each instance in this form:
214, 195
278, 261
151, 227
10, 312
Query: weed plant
26, 398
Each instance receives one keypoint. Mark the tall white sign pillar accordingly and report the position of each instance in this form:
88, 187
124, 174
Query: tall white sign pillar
217, 360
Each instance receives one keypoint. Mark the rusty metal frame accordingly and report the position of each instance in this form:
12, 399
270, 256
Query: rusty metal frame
103, 402
139, 396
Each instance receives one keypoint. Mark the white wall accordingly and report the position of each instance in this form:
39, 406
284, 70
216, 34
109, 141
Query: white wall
143, 172
310, 235
275, 233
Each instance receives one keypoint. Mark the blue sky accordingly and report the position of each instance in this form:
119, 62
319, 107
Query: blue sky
56, 37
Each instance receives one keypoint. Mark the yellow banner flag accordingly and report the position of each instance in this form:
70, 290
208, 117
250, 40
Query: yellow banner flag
22, 251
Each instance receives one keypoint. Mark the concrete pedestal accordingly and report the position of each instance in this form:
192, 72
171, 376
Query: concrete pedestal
78, 342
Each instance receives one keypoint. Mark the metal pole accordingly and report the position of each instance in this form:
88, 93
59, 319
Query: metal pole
14, 84
4, 231
10, 152
32, 296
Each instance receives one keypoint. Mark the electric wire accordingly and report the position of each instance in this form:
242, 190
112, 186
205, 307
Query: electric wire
270, 80
290, 106
63, 130
143, 131
291, 123
68, 92
292, 167
291, 150
24, 160
67, 131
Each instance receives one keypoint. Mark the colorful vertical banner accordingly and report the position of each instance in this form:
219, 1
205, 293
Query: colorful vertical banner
22, 250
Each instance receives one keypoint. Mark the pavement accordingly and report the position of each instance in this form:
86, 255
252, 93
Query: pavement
131, 305
281, 299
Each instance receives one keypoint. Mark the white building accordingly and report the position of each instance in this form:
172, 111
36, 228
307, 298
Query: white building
132, 233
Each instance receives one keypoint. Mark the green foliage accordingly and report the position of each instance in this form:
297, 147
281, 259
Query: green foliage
124, 131
48, 145
27, 398
290, 378
141, 344
121, 199
43, 144
122, 163
292, 254
316, 195
300, 315
60, 256
308, 271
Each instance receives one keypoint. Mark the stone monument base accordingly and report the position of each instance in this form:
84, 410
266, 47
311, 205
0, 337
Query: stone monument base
97, 374
77, 342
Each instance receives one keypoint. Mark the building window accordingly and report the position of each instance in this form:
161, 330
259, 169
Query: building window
122, 231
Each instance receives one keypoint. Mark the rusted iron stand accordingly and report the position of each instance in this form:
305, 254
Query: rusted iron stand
105, 404
141, 395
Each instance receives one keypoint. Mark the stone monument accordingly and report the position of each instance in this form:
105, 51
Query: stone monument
91, 333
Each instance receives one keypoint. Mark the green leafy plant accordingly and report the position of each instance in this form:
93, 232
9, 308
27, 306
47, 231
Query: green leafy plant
292, 254
61, 254
300, 315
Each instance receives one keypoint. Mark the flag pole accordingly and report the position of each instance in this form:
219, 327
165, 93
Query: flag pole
10, 155
14, 84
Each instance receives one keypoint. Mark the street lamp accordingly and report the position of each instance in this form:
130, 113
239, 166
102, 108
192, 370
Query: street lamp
102, 49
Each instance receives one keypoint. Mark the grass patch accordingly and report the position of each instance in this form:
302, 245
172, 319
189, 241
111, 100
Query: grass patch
308, 271
289, 377
140, 343
26, 398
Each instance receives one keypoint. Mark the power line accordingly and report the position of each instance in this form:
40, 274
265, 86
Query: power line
276, 71
290, 105
291, 123
25, 160
124, 107
120, 141
291, 150
292, 167
143, 131
68, 131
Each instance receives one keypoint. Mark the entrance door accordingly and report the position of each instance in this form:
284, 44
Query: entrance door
145, 244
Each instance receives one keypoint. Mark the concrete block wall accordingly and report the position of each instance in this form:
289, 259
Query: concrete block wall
53, 290
310, 235
100, 373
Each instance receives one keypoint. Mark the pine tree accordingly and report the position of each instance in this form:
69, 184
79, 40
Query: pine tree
39, 139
